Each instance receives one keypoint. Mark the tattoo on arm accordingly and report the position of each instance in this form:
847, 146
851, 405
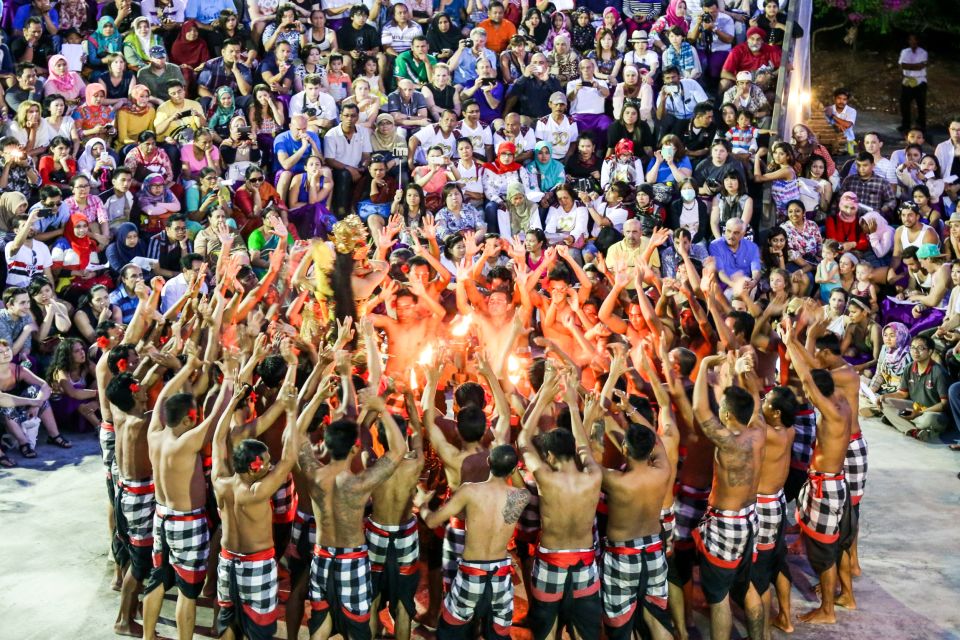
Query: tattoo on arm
375, 475
736, 455
516, 501
307, 460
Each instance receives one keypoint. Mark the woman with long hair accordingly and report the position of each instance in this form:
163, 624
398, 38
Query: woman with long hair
199, 154
30, 130
732, 201
26, 398
584, 164
139, 42
806, 146
206, 195
55, 116
308, 200
534, 26
286, 27
117, 79
309, 65
51, 316
265, 115
815, 174
781, 174
367, 103
410, 203
606, 56
73, 383
240, 150
567, 222
629, 126
59, 167
803, 239
92, 309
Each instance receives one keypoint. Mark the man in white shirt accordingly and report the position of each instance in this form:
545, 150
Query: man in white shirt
25, 256
176, 287
521, 136
318, 105
913, 86
557, 128
948, 155
480, 136
712, 32
440, 135
587, 104
347, 149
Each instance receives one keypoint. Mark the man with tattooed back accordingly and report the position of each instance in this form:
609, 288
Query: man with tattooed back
340, 590
483, 586
726, 533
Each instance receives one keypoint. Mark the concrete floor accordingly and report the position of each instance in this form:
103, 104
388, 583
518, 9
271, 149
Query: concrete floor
55, 571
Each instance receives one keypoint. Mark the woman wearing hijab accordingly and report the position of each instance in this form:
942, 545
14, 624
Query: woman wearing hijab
12, 204
93, 117
189, 50
137, 44
76, 260
126, 246
497, 177
880, 235
546, 173
102, 42
442, 37
891, 364
97, 164
135, 117
518, 215
157, 203
63, 82
225, 111
676, 16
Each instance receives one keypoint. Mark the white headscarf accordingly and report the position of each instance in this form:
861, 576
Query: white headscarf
87, 162
881, 240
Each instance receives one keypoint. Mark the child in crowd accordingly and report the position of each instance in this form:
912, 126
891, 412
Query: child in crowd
828, 271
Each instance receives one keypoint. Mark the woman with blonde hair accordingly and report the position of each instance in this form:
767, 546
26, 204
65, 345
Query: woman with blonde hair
365, 101
30, 130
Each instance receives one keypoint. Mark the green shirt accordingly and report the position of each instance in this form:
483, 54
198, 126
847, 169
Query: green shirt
407, 66
258, 242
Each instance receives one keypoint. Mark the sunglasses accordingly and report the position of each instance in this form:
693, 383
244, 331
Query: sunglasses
256, 180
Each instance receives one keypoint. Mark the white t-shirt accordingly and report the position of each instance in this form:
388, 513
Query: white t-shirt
431, 135
29, 261
471, 177
562, 223
907, 56
559, 134
587, 99
349, 152
616, 215
479, 137
325, 106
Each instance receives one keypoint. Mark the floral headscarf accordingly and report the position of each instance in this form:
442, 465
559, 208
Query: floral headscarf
893, 362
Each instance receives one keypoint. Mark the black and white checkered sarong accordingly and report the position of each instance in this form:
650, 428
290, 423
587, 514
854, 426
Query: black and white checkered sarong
467, 592
632, 569
552, 568
805, 428
770, 510
247, 589
722, 536
688, 510
454, 538
137, 504
283, 502
181, 540
341, 577
855, 467
820, 505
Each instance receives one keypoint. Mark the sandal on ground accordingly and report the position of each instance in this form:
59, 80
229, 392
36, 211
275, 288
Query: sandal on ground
60, 441
924, 435
6, 462
27, 451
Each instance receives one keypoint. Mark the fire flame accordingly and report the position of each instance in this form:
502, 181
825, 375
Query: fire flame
426, 356
461, 326
513, 369
413, 379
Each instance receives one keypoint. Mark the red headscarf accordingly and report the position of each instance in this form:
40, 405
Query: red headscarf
191, 53
84, 246
497, 166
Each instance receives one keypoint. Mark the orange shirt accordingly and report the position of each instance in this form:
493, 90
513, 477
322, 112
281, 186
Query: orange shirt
498, 35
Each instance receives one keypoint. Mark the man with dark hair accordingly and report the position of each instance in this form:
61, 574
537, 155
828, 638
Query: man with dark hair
565, 580
180, 535
919, 407
499, 31
823, 507
871, 190
726, 534
359, 39
340, 592
28, 87
134, 506
226, 71
244, 479
483, 584
700, 131
158, 75
409, 333
169, 246
347, 148
191, 276
17, 325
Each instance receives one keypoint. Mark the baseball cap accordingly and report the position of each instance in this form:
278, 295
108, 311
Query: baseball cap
558, 96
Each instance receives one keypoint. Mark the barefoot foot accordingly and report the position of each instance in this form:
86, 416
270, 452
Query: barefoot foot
782, 622
818, 616
131, 629
847, 601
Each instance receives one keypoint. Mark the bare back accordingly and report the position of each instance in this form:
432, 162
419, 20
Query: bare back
133, 453
180, 484
776, 459
635, 497
339, 497
833, 437
568, 506
393, 500
736, 471
246, 515
492, 510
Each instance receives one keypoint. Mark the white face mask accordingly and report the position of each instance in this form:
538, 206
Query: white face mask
688, 195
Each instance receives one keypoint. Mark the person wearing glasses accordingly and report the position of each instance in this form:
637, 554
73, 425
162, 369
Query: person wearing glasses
250, 199
918, 407
125, 295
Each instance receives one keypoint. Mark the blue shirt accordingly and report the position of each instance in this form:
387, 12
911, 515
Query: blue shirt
665, 175
206, 11
127, 303
746, 260
24, 12
466, 71
285, 143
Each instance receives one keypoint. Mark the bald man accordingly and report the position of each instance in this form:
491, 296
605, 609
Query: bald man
291, 150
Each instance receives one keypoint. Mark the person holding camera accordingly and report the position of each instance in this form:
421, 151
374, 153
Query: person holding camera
710, 172
712, 33
177, 112
287, 28
677, 100
587, 104
530, 94
17, 172
464, 59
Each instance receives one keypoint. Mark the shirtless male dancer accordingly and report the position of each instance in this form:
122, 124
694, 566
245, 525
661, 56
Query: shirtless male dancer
634, 557
483, 587
393, 540
725, 535
823, 507
135, 492
340, 589
565, 586
181, 538
244, 481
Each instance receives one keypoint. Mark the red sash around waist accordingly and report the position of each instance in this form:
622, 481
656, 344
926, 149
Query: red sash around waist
566, 559
266, 554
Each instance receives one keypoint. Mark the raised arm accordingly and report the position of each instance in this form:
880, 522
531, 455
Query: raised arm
501, 432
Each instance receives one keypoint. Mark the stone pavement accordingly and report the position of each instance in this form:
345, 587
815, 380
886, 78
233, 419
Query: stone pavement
55, 573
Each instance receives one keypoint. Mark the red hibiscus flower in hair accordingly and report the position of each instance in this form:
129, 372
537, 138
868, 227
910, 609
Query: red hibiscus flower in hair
103, 342
256, 464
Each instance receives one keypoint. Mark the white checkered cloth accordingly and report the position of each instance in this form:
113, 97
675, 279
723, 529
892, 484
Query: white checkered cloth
820, 505
632, 569
553, 567
770, 510
454, 538
722, 536
341, 576
855, 467
688, 510
303, 535
668, 522
137, 504
283, 502
468, 588
248, 583
805, 428
108, 445
187, 540
402, 538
